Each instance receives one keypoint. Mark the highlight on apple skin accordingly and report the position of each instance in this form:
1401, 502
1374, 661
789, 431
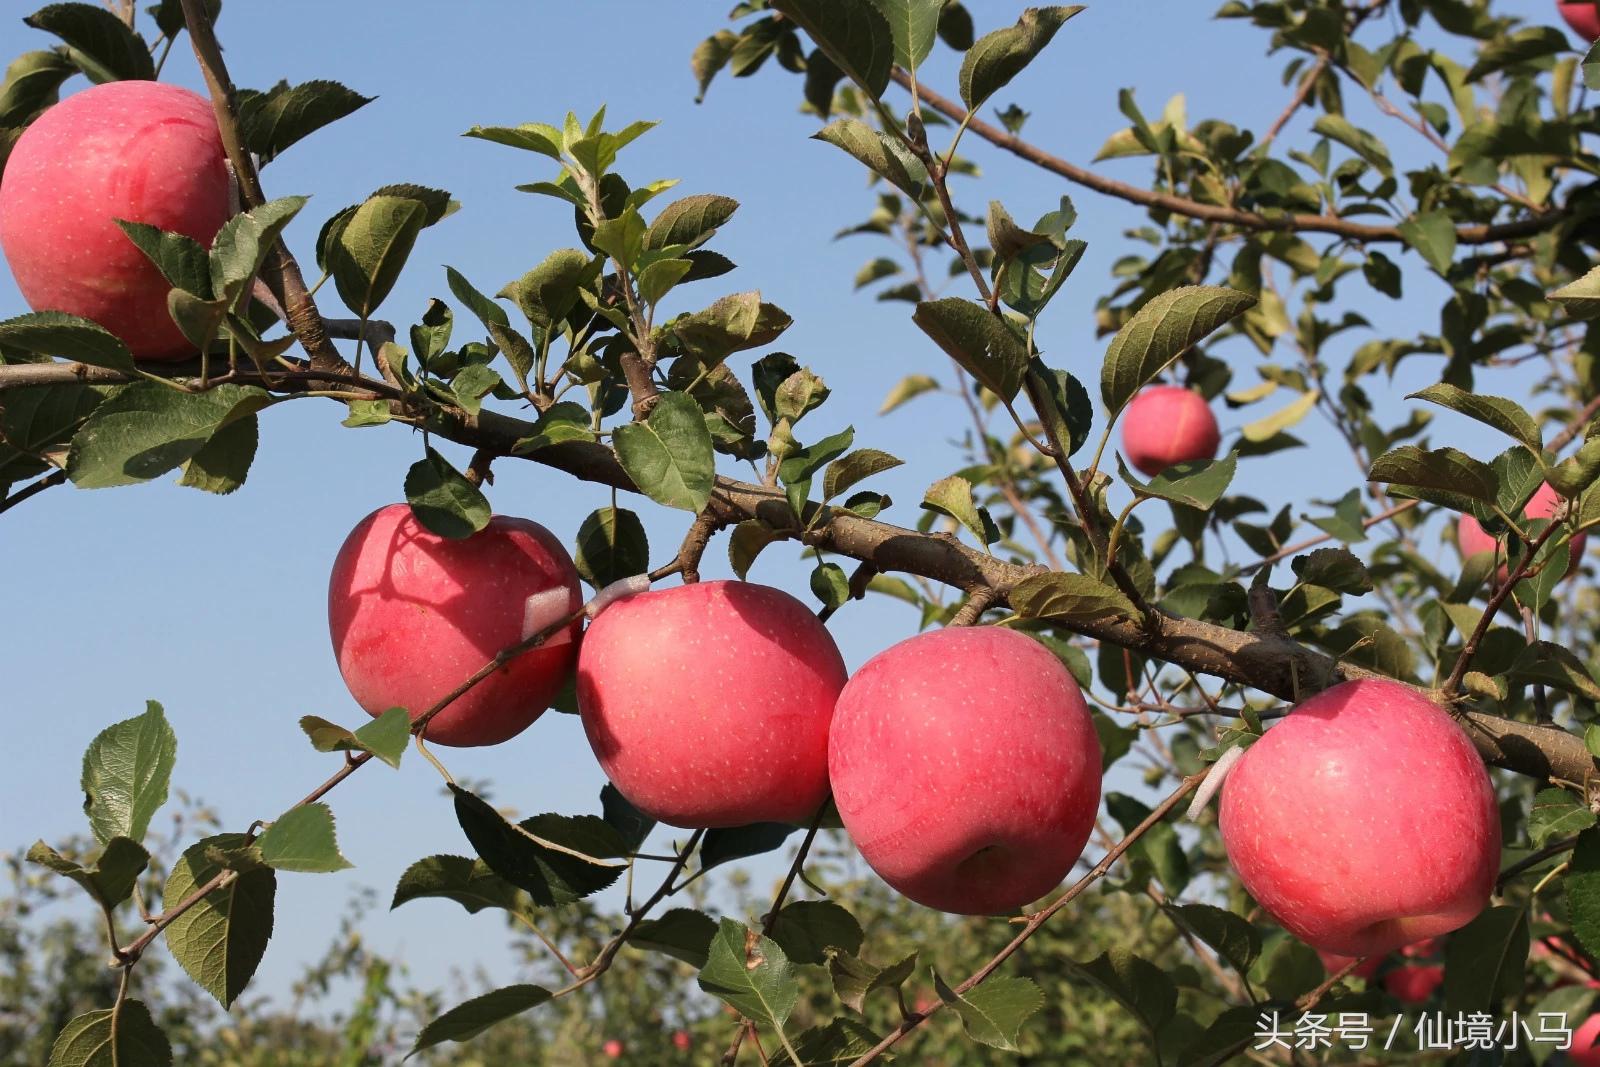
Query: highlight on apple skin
1582, 16
708, 704
136, 150
966, 768
413, 613
1472, 538
1364, 820
1168, 424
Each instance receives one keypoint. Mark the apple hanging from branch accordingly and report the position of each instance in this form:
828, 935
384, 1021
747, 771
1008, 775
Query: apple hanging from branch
1168, 424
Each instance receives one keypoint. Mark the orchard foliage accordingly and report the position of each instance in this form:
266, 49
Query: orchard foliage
1191, 613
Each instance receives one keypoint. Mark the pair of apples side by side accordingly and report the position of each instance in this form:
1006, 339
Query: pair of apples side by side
963, 762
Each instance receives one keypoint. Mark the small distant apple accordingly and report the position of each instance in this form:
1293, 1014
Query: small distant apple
1167, 424
1364, 820
681, 1040
966, 768
1472, 538
1413, 983
142, 151
708, 704
1583, 17
1333, 963
613, 1049
413, 615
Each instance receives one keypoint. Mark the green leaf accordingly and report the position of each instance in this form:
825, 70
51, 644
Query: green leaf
611, 545
385, 737
883, 157
556, 859
1359, 141
838, 1044
997, 57
853, 468
1547, 663
126, 771
669, 455
1338, 569
740, 842
1520, 46
485, 309
1580, 299
468, 882
621, 238
914, 24
751, 973
1504, 415
1194, 483
682, 933
220, 941
1066, 408
1557, 813
557, 424
952, 496
242, 244
994, 1012
100, 43
1265, 429
981, 343
111, 880
913, 385
807, 929
270, 122
830, 585
443, 500
467, 1020
1484, 960
1433, 236
370, 249
302, 839
1142, 987
1582, 884
854, 979
223, 463
1159, 333
1071, 597
853, 33
530, 136
745, 544
182, 260
1442, 468
124, 1037
1233, 937
55, 333
690, 222
710, 56
30, 85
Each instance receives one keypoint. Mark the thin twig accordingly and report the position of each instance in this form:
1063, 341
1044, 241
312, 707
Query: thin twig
32, 489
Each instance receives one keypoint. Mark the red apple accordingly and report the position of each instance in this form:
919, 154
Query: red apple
413, 615
135, 150
1583, 1051
613, 1049
1414, 983
966, 768
1584, 18
708, 704
1168, 424
681, 1040
1364, 820
1472, 538
1333, 963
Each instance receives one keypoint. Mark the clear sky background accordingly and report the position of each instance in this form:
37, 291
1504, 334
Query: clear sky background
216, 606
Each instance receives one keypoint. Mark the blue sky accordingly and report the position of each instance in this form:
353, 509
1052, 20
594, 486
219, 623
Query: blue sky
216, 606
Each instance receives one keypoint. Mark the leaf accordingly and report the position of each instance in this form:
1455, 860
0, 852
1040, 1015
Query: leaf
443, 500
270, 122
1484, 960
1066, 408
1521, 46
1580, 299
997, 57
111, 880
302, 839
1142, 987
220, 941
1265, 429
854, 979
981, 343
914, 24
370, 249
471, 1018
994, 1012
55, 333
913, 385
681, 933
739, 842
556, 860
710, 56
1159, 333
1582, 884
611, 546
1193, 483
807, 929
876, 152
854, 34
1557, 813
1071, 597
385, 737
223, 463
830, 585
855, 467
1547, 663
530, 137
1333, 568
557, 424
1442, 468
486, 310
691, 221
1359, 141
838, 1044
468, 882
125, 1037
1433, 236
241, 246
101, 45
30, 85
1504, 415
1234, 938
182, 260
745, 544
751, 973
126, 771
952, 496
669, 455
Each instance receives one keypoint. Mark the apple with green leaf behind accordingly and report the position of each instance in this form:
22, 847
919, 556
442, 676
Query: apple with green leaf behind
1582, 16
140, 151
1472, 538
966, 768
1364, 820
1166, 425
708, 704
414, 614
